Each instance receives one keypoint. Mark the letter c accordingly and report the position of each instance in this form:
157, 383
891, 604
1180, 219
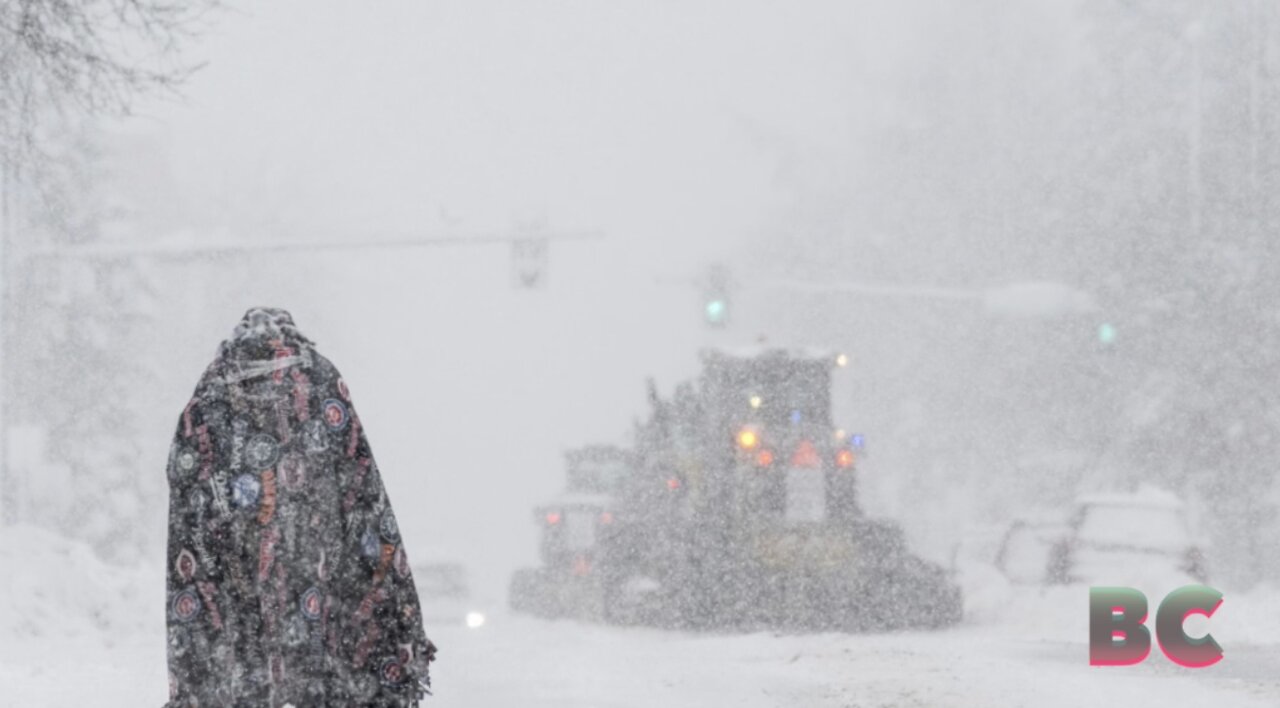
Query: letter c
1174, 642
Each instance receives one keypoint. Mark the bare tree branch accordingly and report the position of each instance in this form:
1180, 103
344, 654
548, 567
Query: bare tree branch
97, 56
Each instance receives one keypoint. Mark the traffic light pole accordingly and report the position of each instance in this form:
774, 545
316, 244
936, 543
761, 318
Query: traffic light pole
182, 251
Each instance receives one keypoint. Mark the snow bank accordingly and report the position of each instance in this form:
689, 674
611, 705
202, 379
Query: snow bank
1059, 613
1250, 617
57, 588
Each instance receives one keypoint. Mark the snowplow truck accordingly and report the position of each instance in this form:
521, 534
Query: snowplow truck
738, 509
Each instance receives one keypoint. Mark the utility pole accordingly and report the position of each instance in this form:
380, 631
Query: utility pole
1194, 34
8, 497
1257, 51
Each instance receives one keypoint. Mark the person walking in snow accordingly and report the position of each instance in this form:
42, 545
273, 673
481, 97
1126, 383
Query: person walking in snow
288, 583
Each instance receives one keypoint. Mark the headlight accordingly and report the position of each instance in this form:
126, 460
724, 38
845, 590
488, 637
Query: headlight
475, 620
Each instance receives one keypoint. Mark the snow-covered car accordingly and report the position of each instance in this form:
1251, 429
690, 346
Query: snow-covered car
446, 597
1142, 539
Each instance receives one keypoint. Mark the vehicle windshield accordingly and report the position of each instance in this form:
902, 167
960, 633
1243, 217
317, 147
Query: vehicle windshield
1132, 526
580, 529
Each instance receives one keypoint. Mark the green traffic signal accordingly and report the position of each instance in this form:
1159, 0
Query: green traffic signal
1106, 333
716, 287
717, 311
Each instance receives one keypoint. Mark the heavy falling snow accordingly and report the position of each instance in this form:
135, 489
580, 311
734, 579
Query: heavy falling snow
712, 353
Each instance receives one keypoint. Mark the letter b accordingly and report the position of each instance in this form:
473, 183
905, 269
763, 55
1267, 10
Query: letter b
1117, 632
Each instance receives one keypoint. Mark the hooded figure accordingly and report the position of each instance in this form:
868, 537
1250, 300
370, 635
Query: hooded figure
287, 578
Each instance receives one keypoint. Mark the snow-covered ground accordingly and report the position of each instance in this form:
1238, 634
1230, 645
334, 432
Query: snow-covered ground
77, 632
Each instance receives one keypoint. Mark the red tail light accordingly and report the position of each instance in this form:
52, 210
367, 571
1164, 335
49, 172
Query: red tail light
845, 458
553, 518
673, 484
806, 455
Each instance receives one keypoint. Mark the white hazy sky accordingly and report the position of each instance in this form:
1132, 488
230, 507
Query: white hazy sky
656, 121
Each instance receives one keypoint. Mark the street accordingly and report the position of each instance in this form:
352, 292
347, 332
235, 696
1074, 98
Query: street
519, 661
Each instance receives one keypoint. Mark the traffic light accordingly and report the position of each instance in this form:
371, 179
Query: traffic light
717, 311
715, 296
1106, 333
